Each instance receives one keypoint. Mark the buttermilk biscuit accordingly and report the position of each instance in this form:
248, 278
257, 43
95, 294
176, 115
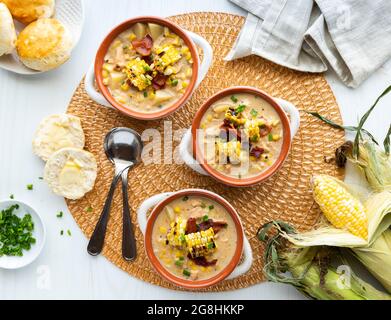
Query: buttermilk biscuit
44, 45
7, 31
27, 11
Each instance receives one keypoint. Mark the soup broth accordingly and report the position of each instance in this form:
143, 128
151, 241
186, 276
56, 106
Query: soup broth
241, 135
147, 68
194, 238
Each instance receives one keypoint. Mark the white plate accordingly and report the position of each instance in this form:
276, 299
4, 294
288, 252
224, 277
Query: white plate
39, 234
70, 13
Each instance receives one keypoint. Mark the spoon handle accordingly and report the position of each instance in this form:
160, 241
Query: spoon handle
95, 245
128, 240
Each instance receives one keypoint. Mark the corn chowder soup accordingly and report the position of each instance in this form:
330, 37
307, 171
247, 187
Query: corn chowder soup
147, 68
194, 238
241, 135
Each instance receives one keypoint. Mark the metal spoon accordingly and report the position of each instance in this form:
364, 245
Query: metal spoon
123, 148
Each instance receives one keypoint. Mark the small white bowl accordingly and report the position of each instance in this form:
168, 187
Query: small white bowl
39, 233
70, 13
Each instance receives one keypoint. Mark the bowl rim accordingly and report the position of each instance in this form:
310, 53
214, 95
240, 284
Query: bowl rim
43, 239
287, 137
107, 41
190, 284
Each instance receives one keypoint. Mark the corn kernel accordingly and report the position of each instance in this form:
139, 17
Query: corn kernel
189, 72
106, 81
132, 36
209, 117
276, 137
163, 230
105, 73
125, 86
185, 84
177, 210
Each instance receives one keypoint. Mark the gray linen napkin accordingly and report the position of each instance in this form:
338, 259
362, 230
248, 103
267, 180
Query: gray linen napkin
351, 36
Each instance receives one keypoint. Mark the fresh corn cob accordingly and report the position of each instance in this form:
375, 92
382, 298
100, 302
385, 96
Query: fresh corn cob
200, 243
340, 207
176, 235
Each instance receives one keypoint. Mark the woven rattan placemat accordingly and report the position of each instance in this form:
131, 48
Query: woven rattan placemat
285, 196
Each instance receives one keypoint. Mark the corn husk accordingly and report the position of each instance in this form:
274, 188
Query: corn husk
375, 165
310, 270
377, 258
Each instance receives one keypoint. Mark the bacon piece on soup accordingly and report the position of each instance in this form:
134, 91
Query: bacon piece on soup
257, 152
201, 261
143, 46
159, 82
191, 226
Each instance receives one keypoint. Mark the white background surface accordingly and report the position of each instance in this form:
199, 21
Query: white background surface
70, 272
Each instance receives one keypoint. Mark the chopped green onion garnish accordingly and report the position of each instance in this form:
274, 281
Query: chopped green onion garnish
69, 232
62, 232
211, 207
270, 137
11, 196
185, 198
40, 178
16, 233
182, 237
186, 273
211, 245
205, 218
30, 187
181, 258
254, 112
179, 263
145, 94
89, 209
240, 108
60, 214
234, 99
174, 82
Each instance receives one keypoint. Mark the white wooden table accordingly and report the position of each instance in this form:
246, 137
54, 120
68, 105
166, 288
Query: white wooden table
65, 270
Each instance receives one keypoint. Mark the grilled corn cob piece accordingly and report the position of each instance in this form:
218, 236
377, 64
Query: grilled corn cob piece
176, 235
136, 72
201, 243
340, 207
171, 56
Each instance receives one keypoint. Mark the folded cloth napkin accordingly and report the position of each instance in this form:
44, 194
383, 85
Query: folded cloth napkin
351, 36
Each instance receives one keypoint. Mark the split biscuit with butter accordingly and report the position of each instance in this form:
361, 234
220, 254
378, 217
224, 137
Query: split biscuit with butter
56, 132
71, 173
27, 11
44, 45
7, 31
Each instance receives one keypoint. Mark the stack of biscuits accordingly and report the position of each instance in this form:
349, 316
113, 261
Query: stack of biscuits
44, 43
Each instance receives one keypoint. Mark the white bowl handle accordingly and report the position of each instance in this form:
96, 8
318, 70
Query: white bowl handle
154, 200
208, 55
185, 151
293, 113
247, 261
146, 206
89, 84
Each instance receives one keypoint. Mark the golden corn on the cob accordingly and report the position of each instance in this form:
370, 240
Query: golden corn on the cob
136, 72
171, 56
200, 243
340, 207
176, 235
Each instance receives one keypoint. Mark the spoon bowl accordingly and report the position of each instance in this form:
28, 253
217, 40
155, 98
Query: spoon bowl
123, 145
